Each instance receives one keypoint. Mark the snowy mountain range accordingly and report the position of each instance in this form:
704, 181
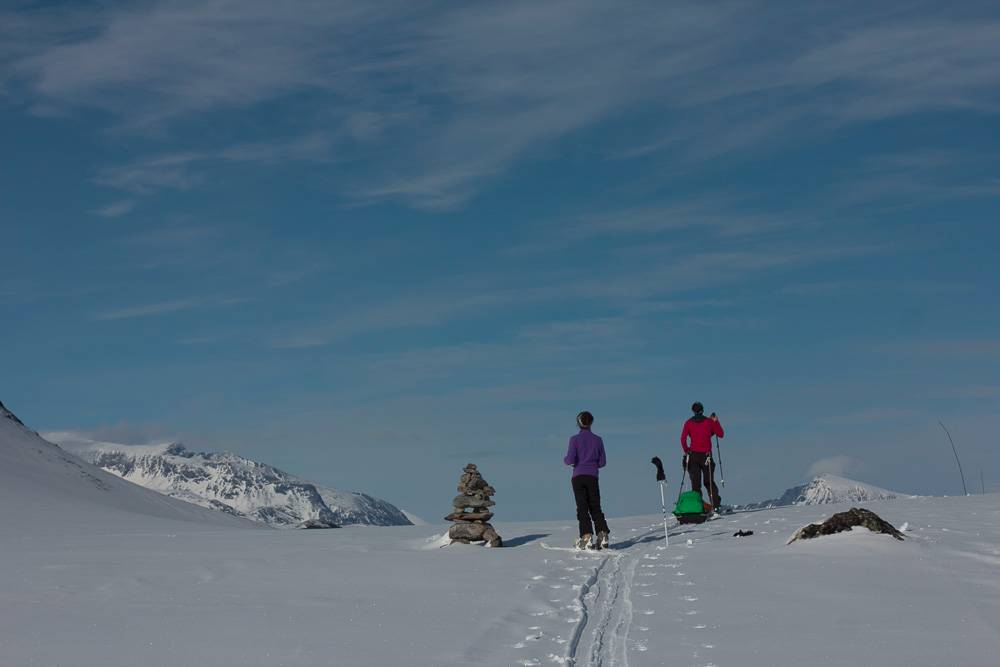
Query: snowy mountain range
232, 484
825, 489
44, 487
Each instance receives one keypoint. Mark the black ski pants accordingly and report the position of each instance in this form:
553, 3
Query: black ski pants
587, 492
700, 467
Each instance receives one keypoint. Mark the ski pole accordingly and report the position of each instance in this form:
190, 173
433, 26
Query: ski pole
661, 477
718, 451
684, 472
663, 506
708, 478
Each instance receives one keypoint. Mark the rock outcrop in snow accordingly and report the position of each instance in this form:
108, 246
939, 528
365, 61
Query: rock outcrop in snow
845, 521
233, 484
825, 489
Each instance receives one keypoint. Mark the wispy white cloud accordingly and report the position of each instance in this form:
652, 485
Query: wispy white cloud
723, 215
153, 173
975, 391
116, 209
185, 170
871, 416
660, 228
544, 364
150, 309
123, 433
289, 276
849, 287
913, 178
715, 268
154, 63
835, 465
598, 331
165, 307
822, 288
423, 309
464, 92
948, 349
628, 290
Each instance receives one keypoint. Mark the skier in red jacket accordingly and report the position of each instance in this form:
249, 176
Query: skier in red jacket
698, 452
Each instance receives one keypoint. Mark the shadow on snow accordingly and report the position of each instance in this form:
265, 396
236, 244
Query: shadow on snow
524, 539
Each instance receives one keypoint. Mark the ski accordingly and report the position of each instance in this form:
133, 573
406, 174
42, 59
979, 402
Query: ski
577, 550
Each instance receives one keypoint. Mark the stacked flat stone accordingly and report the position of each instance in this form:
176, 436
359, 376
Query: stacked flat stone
471, 510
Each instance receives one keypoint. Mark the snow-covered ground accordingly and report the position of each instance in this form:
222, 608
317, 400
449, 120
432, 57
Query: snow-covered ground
169, 596
98, 572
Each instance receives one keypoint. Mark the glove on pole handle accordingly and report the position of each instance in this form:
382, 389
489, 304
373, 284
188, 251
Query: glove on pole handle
660, 475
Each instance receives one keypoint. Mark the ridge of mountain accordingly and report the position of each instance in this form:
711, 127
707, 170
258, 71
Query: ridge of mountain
42, 484
824, 489
234, 484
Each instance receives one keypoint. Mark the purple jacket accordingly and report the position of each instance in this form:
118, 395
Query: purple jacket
585, 453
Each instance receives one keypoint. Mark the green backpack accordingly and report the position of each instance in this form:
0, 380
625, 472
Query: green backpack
689, 503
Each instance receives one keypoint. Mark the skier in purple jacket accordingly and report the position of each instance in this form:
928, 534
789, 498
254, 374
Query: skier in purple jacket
586, 455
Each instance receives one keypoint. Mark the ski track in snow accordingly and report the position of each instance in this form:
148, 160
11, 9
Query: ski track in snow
615, 587
602, 609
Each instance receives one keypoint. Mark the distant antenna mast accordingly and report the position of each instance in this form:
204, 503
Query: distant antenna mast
966, 490
982, 484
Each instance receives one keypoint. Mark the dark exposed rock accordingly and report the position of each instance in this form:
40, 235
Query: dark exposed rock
469, 516
844, 521
490, 535
467, 531
313, 524
472, 502
11, 416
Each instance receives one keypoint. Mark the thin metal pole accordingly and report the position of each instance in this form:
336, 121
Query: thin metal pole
680, 489
966, 490
718, 450
663, 506
982, 484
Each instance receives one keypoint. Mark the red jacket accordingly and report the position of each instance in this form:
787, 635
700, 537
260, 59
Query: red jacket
700, 432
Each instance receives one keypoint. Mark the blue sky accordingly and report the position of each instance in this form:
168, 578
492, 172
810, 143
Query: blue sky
370, 243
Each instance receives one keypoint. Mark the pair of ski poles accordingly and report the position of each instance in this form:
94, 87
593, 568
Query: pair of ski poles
661, 477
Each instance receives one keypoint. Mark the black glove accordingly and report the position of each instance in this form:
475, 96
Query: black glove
684, 462
660, 475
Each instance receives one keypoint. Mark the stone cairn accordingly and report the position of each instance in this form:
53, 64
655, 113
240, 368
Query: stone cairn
471, 510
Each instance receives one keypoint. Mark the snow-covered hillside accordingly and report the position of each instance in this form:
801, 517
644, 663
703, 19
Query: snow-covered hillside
42, 487
232, 484
97, 571
388, 596
825, 489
